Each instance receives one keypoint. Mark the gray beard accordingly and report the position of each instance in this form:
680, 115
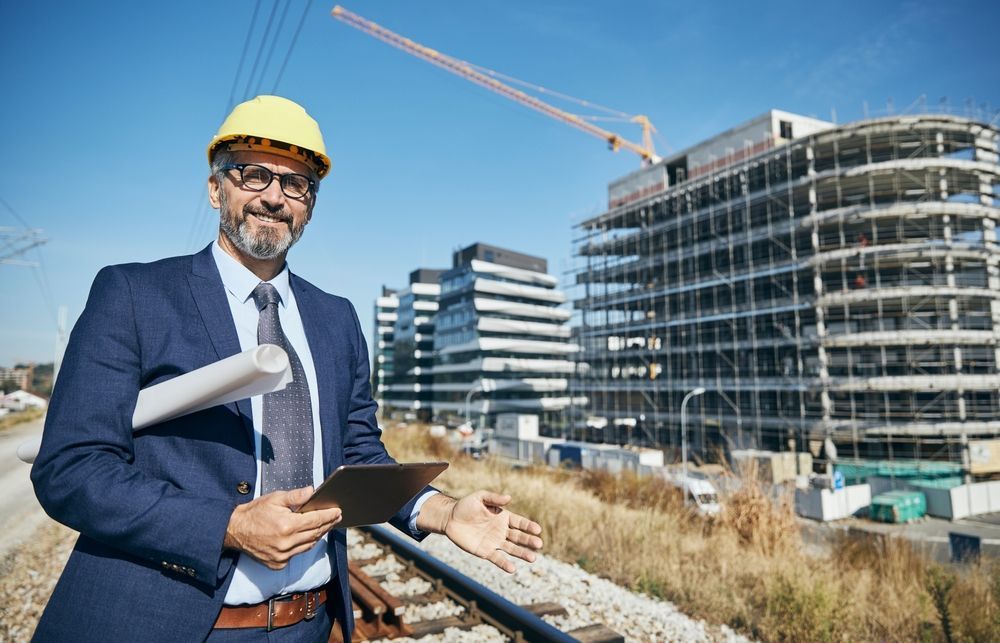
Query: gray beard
261, 246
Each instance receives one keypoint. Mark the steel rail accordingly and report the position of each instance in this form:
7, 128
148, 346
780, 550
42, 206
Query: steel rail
520, 621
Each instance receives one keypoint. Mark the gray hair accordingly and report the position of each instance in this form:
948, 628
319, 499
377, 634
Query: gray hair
224, 156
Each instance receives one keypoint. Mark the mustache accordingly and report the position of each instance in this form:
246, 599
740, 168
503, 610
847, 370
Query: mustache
281, 215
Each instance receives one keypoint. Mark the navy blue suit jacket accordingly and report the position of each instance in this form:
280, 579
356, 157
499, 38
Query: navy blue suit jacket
152, 507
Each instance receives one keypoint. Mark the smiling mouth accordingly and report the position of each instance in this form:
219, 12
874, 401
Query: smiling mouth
267, 218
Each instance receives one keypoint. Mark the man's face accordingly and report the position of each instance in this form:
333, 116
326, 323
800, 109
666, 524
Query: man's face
262, 225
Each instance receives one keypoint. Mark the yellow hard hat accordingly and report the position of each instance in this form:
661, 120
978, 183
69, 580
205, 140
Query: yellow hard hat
274, 124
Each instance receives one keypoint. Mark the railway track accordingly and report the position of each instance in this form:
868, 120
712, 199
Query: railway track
399, 591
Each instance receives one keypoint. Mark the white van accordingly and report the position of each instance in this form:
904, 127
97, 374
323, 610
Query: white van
704, 496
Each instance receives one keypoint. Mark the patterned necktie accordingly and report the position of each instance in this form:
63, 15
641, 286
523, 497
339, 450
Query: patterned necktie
287, 440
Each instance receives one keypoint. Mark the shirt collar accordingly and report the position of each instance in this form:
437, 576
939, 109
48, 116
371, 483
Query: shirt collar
240, 282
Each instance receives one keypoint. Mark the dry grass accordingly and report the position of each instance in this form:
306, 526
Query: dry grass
20, 417
747, 569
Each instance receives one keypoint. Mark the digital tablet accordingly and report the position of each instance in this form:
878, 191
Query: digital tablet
369, 494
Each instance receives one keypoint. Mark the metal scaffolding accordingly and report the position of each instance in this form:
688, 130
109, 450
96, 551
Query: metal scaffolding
840, 284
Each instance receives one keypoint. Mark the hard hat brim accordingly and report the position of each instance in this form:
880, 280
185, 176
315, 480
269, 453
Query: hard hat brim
317, 160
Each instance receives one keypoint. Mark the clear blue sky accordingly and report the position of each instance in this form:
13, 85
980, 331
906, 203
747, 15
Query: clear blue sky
107, 108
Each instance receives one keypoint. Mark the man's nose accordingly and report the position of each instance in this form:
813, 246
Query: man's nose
272, 197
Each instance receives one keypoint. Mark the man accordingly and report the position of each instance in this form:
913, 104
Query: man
187, 529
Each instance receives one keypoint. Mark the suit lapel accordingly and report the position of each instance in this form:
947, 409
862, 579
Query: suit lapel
317, 330
211, 300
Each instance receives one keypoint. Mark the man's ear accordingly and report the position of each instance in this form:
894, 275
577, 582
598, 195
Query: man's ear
213, 192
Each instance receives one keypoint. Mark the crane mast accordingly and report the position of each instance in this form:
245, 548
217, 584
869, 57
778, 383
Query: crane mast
467, 71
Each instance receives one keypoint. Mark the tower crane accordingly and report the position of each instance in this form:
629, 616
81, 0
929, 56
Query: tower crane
489, 79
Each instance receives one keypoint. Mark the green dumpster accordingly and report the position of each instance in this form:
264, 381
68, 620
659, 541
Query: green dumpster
898, 506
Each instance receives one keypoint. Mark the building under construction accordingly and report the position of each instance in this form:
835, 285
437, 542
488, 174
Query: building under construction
818, 280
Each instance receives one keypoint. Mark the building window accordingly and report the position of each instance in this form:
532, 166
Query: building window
785, 128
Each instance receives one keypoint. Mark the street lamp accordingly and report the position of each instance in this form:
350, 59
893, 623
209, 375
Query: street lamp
684, 447
481, 385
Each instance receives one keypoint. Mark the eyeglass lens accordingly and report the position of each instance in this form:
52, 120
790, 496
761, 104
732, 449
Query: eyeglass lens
257, 177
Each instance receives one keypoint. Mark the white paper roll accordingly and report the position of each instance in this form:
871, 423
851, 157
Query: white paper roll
262, 369
28, 451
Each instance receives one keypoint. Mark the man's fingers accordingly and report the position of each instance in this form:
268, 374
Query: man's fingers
518, 552
314, 519
498, 558
278, 559
306, 536
495, 499
329, 522
291, 498
313, 525
523, 539
298, 497
517, 521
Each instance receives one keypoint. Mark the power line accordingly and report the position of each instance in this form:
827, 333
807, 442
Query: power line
200, 221
14, 212
291, 46
270, 51
260, 50
17, 242
200, 206
42, 277
199, 210
243, 56
208, 223
28, 239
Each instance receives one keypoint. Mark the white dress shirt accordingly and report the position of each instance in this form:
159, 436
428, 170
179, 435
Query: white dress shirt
253, 582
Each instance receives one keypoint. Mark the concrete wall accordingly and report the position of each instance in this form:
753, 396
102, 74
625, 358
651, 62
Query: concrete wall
826, 504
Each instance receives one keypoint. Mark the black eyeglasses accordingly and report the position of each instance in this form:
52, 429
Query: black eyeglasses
258, 178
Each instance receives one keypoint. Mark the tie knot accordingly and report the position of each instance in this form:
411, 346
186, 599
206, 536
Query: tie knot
265, 294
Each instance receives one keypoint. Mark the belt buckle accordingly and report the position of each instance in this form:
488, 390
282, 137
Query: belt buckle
270, 614
310, 605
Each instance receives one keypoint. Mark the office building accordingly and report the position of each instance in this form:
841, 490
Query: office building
409, 392
382, 342
502, 343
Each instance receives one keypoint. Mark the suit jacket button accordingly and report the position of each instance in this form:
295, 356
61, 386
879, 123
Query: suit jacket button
243, 487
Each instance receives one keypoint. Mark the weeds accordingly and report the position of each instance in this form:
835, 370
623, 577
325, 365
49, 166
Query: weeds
760, 522
939, 586
748, 569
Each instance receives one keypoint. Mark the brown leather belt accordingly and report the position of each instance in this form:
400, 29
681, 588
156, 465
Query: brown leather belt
280, 611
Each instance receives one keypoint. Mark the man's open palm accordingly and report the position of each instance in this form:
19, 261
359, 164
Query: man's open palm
480, 525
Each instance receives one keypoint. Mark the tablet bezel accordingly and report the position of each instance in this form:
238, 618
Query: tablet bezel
370, 494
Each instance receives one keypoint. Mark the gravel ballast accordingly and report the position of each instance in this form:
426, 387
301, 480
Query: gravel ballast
29, 573
588, 599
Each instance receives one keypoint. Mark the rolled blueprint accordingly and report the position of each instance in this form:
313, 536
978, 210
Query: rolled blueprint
260, 370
